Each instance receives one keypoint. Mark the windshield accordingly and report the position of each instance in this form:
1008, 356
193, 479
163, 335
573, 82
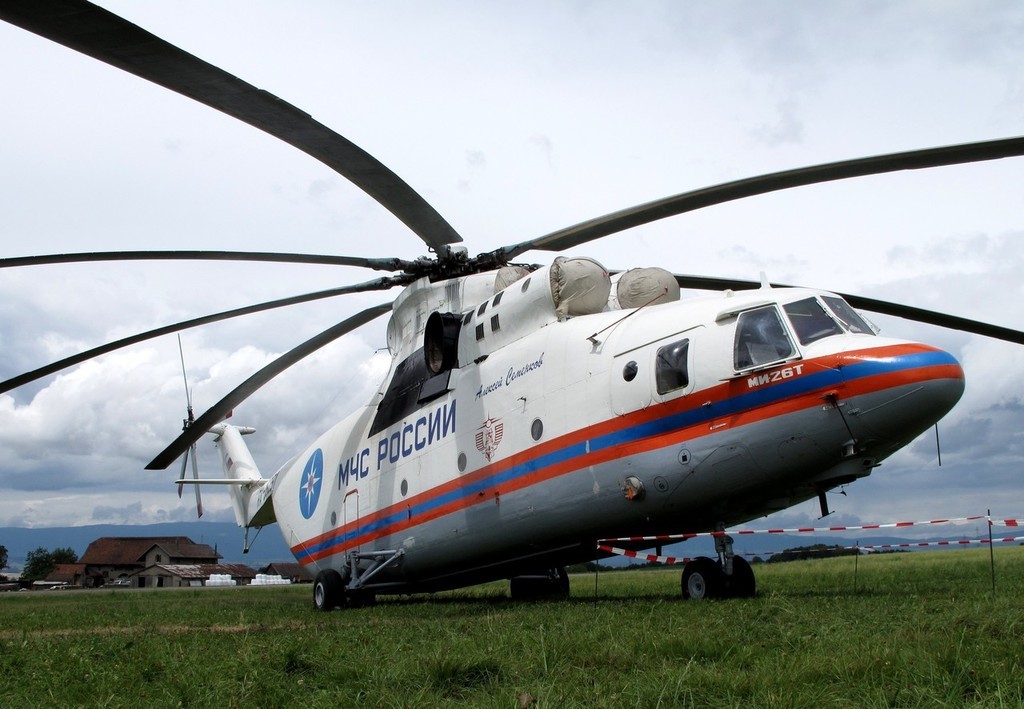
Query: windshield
848, 316
810, 321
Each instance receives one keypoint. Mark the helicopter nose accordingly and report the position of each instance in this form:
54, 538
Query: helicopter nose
902, 390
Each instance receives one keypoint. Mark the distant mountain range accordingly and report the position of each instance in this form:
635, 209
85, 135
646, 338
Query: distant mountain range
225, 537
270, 546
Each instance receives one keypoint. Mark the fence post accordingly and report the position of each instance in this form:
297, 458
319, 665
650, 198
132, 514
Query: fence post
991, 554
856, 559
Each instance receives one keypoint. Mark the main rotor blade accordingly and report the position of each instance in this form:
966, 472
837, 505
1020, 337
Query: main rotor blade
773, 182
103, 35
21, 379
873, 305
217, 412
378, 264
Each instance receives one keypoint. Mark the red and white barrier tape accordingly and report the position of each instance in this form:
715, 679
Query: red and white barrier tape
655, 558
947, 543
803, 530
645, 557
904, 545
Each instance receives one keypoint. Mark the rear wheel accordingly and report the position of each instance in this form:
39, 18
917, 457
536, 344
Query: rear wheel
328, 590
702, 578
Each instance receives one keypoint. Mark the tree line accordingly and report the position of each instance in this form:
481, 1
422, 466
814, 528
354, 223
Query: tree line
40, 562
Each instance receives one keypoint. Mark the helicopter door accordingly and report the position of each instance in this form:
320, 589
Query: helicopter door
351, 510
659, 371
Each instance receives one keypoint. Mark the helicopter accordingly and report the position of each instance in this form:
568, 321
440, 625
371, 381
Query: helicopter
531, 410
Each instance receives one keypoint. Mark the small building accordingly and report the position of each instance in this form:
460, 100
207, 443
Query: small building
291, 570
80, 575
123, 557
185, 575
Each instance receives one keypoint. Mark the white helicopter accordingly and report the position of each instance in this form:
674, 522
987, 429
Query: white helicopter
530, 411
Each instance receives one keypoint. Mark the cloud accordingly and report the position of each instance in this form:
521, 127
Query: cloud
641, 102
787, 128
544, 144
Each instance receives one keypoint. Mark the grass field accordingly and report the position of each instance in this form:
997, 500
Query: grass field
920, 629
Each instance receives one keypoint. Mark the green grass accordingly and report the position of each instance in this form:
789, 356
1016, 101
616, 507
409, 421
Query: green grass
919, 630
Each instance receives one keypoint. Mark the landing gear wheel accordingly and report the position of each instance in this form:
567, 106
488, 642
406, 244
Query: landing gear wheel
741, 584
328, 590
359, 599
703, 578
552, 585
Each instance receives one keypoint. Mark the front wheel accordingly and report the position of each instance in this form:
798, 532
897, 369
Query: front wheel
328, 590
702, 578
742, 583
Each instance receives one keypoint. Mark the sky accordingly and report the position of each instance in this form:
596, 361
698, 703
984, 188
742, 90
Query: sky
513, 120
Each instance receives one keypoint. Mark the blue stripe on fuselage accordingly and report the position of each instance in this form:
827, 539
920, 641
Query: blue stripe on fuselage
763, 396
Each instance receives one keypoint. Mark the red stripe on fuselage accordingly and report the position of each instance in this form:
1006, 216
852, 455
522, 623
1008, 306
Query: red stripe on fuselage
719, 392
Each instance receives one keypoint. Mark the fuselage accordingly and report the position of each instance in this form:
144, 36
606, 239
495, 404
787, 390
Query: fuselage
684, 416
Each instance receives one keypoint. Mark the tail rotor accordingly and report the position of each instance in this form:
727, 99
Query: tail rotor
186, 423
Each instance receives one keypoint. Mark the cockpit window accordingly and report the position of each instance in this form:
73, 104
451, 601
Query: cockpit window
848, 316
810, 321
761, 338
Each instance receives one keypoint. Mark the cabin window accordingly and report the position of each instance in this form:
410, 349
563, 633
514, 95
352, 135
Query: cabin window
670, 371
497, 299
810, 321
629, 371
761, 339
537, 429
848, 316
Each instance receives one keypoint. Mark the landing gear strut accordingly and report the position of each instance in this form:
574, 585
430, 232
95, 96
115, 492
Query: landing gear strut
331, 591
728, 577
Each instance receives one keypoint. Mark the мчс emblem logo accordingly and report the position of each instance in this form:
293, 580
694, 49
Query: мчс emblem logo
312, 481
488, 436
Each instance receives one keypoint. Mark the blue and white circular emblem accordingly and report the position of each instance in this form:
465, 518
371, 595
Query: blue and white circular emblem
312, 481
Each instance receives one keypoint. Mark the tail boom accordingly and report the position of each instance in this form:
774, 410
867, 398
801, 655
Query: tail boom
250, 491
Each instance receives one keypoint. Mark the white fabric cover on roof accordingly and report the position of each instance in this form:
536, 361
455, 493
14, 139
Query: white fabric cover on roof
507, 275
579, 286
646, 286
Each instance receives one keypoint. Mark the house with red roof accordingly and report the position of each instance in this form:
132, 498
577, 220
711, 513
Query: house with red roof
126, 557
71, 575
